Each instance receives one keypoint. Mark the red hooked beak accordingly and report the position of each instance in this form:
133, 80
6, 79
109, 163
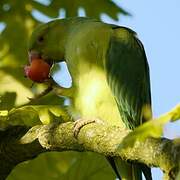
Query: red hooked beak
33, 55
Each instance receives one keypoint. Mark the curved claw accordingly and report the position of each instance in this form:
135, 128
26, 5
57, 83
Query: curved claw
38, 96
78, 124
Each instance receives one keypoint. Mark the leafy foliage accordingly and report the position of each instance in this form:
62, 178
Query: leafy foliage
152, 128
64, 166
37, 114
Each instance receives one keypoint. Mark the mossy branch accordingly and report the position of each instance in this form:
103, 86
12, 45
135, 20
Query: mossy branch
18, 144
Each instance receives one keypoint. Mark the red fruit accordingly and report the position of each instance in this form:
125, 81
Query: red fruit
38, 70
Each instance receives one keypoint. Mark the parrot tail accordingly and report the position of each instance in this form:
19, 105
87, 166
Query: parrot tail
136, 172
129, 171
138, 169
146, 171
113, 165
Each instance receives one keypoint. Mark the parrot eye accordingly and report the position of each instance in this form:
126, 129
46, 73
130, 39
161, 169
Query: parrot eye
40, 39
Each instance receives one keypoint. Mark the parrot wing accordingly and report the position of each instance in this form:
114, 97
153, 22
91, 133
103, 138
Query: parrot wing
128, 76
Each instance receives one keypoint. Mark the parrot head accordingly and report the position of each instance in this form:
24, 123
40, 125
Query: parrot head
46, 46
47, 42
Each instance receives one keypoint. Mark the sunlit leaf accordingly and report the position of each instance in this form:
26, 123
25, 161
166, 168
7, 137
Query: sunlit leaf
65, 165
3, 113
3, 118
178, 176
153, 128
9, 84
37, 114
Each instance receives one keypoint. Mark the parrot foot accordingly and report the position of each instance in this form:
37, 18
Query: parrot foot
78, 124
40, 95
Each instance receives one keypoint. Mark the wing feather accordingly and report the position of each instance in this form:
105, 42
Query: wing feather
128, 76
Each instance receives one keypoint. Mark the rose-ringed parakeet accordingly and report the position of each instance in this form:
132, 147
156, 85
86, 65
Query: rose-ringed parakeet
109, 71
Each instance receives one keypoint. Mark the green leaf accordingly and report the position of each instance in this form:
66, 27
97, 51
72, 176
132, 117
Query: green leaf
7, 100
9, 83
178, 176
3, 118
3, 113
153, 128
64, 166
37, 114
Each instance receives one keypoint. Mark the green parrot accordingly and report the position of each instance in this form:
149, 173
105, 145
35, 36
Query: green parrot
109, 71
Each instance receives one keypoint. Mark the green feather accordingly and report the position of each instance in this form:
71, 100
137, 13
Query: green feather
128, 76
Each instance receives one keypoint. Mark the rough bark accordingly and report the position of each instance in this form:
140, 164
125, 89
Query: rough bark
18, 144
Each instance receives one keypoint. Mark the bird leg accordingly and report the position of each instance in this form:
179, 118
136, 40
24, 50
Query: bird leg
42, 94
56, 88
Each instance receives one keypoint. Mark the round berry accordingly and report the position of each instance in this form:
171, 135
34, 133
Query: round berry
38, 70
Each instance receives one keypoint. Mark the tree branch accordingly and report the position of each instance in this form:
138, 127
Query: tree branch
19, 144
